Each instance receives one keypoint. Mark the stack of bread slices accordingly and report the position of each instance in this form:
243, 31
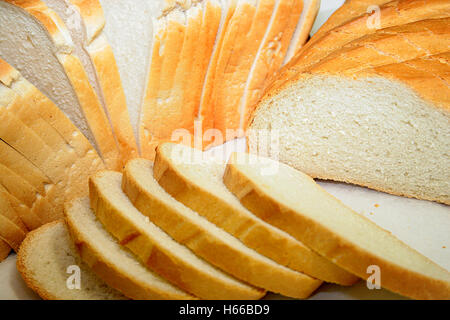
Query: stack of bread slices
190, 227
87, 85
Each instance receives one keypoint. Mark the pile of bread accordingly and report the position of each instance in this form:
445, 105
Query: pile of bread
88, 86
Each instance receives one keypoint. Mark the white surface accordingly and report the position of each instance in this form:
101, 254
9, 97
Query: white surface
423, 225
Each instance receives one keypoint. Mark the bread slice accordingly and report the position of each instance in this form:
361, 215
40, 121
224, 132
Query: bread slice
205, 115
7, 210
332, 133
85, 22
304, 26
196, 180
45, 260
167, 46
391, 45
156, 249
11, 233
206, 240
274, 45
111, 262
293, 202
5, 249
47, 49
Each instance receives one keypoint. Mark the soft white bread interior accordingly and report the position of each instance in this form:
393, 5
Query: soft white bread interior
195, 179
85, 22
111, 262
206, 239
156, 249
342, 126
49, 263
39, 46
295, 203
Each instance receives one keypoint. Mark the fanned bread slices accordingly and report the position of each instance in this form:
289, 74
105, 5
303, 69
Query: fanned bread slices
85, 22
156, 249
42, 146
5, 249
206, 240
304, 26
342, 126
48, 259
111, 262
37, 43
293, 202
391, 14
196, 181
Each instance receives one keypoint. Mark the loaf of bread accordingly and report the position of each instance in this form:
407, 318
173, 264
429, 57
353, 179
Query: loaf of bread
48, 258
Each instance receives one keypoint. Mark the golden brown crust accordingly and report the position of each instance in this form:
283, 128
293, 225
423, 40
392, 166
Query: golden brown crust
208, 244
341, 251
252, 231
7, 210
310, 18
113, 275
89, 101
156, 256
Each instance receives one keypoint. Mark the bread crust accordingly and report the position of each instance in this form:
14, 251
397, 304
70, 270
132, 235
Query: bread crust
110, 271
344, 253
208, 244
252, 231
8, 211
157, 257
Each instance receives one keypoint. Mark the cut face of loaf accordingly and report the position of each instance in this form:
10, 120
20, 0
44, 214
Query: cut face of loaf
46, 257
37, 43
293, 202
85, 22
385, 128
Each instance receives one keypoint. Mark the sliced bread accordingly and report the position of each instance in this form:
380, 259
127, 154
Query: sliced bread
47, 59
276, 42
48, 258
293, 202
156, 249
28, 216
196, 180
341, 126
110, 261
7, 210
205, 239
85, 22
5, 249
